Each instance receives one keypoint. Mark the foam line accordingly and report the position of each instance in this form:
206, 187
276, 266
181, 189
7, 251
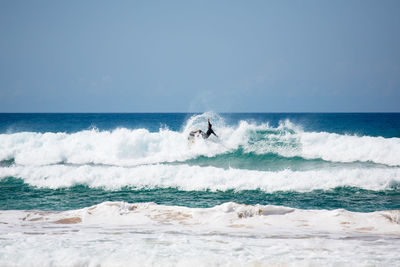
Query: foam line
224, 215
187, 177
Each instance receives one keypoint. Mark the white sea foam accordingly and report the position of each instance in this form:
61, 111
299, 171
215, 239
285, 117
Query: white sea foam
343, 148
187, 177
146, 234
226, 215
125, 147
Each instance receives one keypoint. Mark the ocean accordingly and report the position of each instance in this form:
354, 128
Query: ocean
132, 189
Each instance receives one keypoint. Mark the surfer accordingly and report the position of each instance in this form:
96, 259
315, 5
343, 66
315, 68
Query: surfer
205, 135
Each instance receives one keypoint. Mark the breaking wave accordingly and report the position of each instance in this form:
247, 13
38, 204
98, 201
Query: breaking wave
246, 156
126, 147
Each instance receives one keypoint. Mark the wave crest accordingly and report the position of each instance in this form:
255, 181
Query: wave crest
125, 147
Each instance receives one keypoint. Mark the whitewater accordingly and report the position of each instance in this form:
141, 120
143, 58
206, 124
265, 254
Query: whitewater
139, 158
127, 147
133, 190
123, 234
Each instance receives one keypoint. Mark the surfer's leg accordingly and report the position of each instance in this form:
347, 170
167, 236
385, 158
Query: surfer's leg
193, 132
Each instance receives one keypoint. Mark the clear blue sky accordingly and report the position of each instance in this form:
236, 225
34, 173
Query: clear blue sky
187, 56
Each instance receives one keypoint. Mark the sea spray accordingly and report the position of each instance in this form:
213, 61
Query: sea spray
127, 147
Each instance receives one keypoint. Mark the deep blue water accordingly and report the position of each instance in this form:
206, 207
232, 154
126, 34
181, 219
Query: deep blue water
371, 124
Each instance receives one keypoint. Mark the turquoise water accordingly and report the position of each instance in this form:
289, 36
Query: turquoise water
71, 161
15, 194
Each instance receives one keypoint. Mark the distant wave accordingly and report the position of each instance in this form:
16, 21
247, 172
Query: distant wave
125, 147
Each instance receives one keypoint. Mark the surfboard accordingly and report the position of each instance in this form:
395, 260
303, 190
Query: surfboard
192, 137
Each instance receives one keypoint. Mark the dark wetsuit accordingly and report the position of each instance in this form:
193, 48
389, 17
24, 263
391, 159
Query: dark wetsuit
209, 131
203, 134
